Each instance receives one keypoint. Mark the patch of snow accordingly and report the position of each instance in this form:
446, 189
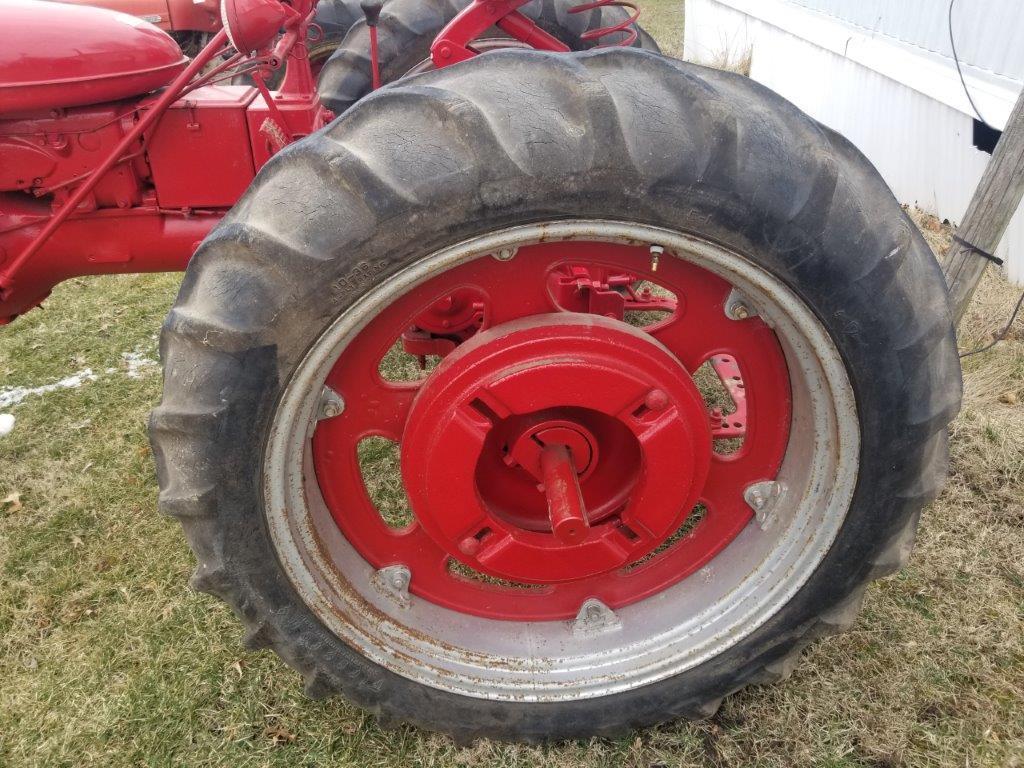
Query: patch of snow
14, 395
134, 364
137, 364
6, 423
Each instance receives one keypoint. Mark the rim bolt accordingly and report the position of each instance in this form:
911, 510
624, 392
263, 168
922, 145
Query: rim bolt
331, 404
393, 582
737, 306
763, 497
505, 254
469, 546
595, 618
656, 400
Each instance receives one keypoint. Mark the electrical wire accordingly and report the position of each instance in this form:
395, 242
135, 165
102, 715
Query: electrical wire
1001, 335
959, 70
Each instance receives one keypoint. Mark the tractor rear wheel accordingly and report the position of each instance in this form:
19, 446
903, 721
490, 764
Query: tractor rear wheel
334, 19
617, 517
408, 27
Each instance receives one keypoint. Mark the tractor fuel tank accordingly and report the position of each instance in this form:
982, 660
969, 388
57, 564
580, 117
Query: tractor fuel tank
200, 152
58, 55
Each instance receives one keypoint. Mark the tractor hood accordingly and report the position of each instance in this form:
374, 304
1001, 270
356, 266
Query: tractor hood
59, 55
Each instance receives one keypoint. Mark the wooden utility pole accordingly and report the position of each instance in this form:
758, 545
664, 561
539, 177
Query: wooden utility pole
995, 200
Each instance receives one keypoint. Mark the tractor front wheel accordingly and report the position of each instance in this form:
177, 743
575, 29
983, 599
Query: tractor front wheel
407, 29
333, 19
555, 395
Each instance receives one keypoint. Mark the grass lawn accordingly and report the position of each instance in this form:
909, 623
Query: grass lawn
108, 659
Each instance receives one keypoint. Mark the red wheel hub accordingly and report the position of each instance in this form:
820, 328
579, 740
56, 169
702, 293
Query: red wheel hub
552, 448
546, 501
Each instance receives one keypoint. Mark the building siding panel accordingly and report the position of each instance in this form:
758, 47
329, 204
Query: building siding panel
922, 146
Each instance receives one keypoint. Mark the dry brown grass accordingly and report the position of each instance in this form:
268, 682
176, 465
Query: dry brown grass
738, 60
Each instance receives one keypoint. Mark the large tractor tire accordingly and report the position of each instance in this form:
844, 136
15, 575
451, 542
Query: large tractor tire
590, 551
408, 27
334, 18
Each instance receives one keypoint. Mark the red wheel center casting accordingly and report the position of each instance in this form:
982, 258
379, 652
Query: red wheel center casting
555, 447
550, 453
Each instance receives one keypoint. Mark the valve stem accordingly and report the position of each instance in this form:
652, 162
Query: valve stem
656, 251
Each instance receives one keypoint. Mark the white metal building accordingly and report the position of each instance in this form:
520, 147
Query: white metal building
882, 73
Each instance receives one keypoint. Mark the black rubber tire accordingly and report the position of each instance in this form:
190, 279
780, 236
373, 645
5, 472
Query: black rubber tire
619, 134
191, 42
335, 18
408, 27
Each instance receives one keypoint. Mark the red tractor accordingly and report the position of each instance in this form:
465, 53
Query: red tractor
686, 365
193, 23
189, 22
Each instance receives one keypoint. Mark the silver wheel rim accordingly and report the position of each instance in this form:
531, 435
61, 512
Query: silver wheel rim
681, 627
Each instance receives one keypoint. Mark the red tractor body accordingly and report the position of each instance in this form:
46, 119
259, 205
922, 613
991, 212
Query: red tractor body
80, 82
120, 154
73, 56
168, 15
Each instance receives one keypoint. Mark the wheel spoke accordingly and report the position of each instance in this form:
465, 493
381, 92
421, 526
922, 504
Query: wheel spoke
729, 475
524, 296
723, 491
700, 328
372, 406
383, 411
